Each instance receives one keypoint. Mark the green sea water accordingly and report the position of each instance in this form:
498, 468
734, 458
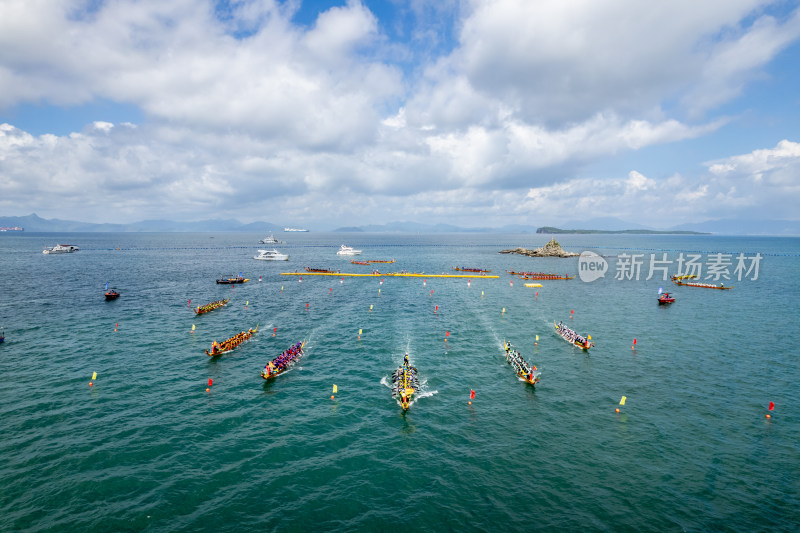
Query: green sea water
146, 448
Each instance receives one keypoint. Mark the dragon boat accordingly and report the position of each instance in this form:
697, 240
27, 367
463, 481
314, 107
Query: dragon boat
681, 277
405, 383
721, 286
572, 337
228, 345
525, 372
389, 261
478, 270
320, 270
229, 281
543, 276
284, 361
201, 309
359, 262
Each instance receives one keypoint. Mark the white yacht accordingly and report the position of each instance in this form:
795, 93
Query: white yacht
348, 250
271, 255
294, 229
270, 240
61, 249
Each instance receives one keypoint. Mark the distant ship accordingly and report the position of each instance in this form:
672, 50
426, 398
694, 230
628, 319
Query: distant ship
14, 228
294, 229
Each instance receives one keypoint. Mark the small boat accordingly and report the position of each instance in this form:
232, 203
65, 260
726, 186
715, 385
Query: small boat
61, 249
271, 255
543, 276
526, 372
533, 284
703, 285
359, 262
284, 361
405, 383
320, 270
228, 345
295, 229
348, 250
202, 309
584, 343
665, 298
381, 261
270, 239
229, 281
112, 294
2, 336
683, 276
478, 270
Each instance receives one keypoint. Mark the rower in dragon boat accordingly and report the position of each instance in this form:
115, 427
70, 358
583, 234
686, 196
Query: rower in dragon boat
405, 383
282, 363
526, 372
228, 345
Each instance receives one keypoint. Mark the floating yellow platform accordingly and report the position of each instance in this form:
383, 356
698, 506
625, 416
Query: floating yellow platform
533, 284
386, 275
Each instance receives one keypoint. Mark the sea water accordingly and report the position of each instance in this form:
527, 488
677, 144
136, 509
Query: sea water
147, 448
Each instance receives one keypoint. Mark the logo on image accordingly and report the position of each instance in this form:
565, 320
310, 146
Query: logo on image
591, 266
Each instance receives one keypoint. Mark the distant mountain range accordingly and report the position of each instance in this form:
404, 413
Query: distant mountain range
34, 223
552, 230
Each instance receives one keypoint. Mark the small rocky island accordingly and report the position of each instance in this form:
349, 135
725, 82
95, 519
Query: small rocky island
551, 249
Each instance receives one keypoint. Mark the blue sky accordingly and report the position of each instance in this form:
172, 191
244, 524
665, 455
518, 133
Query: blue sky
325, 114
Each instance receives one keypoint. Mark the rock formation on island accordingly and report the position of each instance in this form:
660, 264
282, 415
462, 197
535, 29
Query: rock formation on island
551, 249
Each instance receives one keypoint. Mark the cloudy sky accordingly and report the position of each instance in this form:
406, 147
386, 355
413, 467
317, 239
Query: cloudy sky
330, 113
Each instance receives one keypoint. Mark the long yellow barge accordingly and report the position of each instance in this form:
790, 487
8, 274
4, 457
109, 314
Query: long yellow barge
386, 275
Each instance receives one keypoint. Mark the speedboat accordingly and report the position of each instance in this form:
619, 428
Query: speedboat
348, 250
271, 255
61, 249
665, 298
270, 240
112, 294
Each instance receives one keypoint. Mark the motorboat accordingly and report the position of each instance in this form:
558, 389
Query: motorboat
666, 298
112, 294
348, 250
271, 255
270, 240
61, 249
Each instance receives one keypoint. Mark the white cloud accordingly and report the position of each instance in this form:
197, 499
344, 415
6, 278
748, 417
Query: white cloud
316, 118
